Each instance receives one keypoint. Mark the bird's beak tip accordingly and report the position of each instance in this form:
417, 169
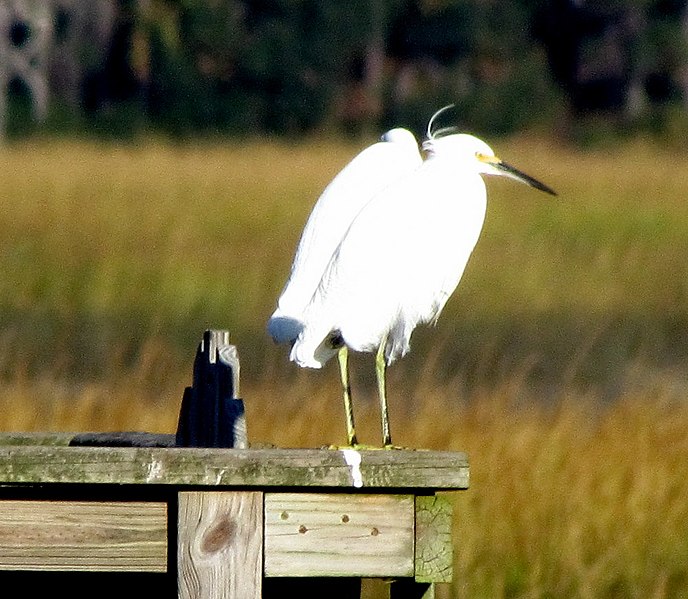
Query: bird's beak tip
519, 175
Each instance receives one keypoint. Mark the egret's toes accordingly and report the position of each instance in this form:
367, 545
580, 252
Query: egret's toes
397, 447
361, 447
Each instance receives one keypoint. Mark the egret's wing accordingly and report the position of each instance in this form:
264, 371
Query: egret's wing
366, 175
357, 274
400, 260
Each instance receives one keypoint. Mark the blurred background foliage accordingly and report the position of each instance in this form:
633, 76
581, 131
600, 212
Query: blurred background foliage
589, 70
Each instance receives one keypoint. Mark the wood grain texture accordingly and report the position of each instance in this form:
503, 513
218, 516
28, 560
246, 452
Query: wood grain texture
220, 545
83, 536
434, 552
403, 469
309, 534
36, 438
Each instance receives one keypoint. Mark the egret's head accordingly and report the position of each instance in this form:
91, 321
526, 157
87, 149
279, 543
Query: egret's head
459, 146
475, 153
472, 152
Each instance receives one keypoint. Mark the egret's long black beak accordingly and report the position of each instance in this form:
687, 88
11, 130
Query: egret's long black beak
512, 172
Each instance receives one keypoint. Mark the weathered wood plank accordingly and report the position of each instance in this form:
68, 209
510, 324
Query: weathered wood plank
37, 438
83, 536
308, 534
220, 545
403, 469
434, 552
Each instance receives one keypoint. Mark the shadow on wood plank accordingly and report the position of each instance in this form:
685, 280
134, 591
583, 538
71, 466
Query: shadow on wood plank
86, 585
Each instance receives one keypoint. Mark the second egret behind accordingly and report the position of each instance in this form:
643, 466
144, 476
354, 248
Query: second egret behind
400, 261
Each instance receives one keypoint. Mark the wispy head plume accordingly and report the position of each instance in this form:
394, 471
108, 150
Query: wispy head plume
444, 130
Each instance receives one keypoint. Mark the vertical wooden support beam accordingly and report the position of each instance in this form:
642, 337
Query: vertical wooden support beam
434, 552
220, 545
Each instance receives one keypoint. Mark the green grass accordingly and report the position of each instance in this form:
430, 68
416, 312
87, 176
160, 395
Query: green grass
559, 364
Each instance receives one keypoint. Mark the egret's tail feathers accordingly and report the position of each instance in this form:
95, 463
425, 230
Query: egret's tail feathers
398, 341
306, 354
283, 328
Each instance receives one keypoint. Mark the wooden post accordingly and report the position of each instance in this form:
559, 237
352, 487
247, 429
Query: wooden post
212, 415
220, 545
434, 556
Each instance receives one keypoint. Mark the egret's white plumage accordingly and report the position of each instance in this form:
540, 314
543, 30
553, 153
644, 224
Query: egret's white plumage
400, 259
376, 167
421, 232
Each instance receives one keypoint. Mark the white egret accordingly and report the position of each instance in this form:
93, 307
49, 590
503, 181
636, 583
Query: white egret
400, 260
376, 167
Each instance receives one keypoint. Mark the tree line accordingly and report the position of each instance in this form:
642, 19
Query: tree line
298, 66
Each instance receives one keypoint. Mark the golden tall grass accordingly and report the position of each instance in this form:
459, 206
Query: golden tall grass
559, 365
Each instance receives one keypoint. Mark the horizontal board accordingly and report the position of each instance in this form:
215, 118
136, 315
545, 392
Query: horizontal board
83, 536
366, 469
304, 534
309, 534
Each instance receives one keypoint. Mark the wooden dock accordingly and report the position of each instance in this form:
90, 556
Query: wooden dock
143, 515
223, 520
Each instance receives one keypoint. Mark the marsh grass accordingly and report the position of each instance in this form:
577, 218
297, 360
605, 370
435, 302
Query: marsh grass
559, 365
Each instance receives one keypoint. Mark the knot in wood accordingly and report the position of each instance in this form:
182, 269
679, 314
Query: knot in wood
218, 536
